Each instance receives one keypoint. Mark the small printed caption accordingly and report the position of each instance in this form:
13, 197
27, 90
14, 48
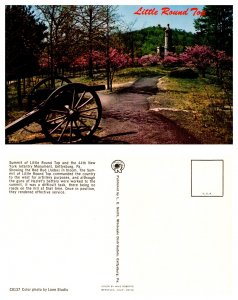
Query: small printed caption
117, 228
51, 177
117, 288
38, 290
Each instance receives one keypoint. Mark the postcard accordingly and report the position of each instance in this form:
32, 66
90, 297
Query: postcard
119, 165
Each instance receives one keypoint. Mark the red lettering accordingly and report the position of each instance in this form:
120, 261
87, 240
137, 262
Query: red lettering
197, 12
165, 11
146, 12
168, 12
138, 12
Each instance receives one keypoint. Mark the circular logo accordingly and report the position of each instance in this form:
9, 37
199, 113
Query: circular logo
118, 166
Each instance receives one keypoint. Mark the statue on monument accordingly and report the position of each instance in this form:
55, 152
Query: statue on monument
168, 45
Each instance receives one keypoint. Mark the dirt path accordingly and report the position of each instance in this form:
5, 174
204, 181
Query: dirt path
127, 118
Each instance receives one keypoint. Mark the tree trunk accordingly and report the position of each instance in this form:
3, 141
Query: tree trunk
6, 100
107, 51
19, 96
90, 65
108, 74
90, 61
24, 86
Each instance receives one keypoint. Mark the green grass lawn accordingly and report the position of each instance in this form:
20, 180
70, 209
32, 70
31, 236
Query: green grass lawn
198, 105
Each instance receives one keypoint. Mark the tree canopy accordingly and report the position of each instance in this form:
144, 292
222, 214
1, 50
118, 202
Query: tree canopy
24, 41
215, 29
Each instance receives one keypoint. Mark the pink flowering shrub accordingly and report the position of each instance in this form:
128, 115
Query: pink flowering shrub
43, 61
149, 60
200, 57
118, 59
221, 60
82, 61
171, 60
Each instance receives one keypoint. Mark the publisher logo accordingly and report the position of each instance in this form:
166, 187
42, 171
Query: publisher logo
118, 166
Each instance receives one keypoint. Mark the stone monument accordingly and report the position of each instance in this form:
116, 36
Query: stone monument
162, 51
168, 40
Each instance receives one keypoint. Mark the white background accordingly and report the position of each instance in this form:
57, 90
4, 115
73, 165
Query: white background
172, 246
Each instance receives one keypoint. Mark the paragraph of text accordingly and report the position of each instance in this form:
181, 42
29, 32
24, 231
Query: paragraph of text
51, 177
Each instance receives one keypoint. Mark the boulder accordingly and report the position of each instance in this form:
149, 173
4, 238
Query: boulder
183, 73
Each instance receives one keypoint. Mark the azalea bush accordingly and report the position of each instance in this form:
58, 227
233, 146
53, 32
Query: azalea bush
223, 64
82, 61
117, 60
171, 60
148, 60
43, 61
200, 57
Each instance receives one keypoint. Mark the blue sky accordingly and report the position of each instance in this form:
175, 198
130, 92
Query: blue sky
176, 21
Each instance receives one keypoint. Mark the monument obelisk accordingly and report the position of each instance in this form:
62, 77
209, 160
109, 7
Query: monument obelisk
167, 40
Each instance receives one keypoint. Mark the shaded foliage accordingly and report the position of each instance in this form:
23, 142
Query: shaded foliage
24, 41
215, 29
61, 35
